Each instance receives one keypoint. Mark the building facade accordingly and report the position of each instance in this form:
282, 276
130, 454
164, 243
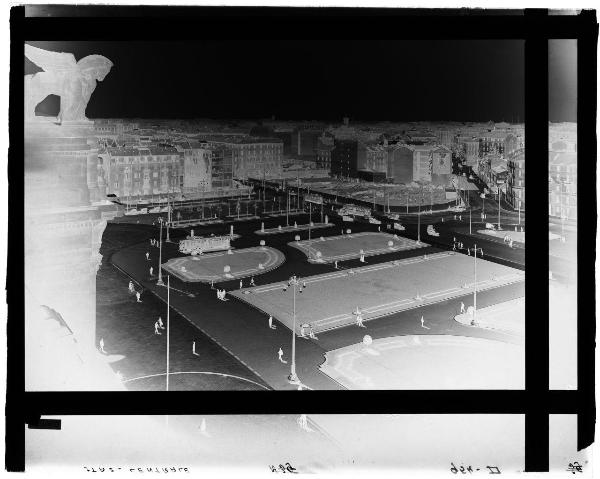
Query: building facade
515, 193
323, 150
253, 157
138, 172
347, 157
562, 185
400, 164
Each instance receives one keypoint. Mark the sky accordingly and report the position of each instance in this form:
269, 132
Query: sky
461, 80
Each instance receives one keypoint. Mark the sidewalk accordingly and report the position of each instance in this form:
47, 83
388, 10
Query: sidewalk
507, 317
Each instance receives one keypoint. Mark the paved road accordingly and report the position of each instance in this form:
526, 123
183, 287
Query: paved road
244, 331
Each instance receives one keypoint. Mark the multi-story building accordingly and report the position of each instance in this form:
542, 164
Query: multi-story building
197, 166
137, 172
304, 142
221, 168
511, 143
441, 165
400, 163
347, 157
445, 137
492, 142
422, 163
562, 185
515, 193
470, 150
323, 150
493, 169
253, 157
377, 156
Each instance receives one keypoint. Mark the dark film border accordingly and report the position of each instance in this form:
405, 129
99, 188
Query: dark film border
149, 23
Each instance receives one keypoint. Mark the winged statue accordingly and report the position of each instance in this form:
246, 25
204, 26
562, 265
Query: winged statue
73, 81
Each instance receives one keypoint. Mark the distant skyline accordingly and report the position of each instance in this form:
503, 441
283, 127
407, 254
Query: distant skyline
424, 80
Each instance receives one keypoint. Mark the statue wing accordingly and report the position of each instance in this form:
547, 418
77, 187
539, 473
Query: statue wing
50, 61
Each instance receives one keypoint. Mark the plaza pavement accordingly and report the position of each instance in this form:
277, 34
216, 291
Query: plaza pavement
244, 331
507, 317
428, 362
328, 301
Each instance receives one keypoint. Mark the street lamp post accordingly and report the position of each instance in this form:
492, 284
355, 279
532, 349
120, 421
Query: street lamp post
168, 323
169, 218
293, 378
483, 212
309, 218
499, 199
470, 230
474, 250
160, 280
419, 219
287, 211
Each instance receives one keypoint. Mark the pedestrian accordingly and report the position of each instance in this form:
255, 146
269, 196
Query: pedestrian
241, 284
454, 217
462, 308
280, 354
151, 241
131, 288
311, 332
252, 283
302, 328
147, 256
336, 264
218, 294
156, 331
459, 217
453, 246
379, 228
102, 346
160, 323
137, 295
151, 270
271, 323
194, 348
359, 321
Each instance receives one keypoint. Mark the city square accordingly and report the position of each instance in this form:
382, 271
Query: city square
220, 230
